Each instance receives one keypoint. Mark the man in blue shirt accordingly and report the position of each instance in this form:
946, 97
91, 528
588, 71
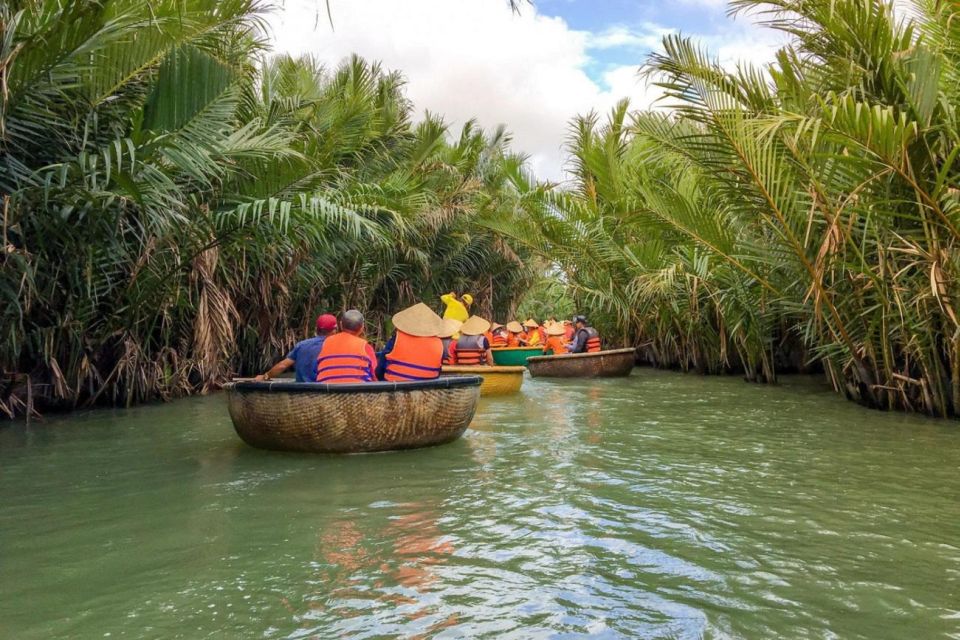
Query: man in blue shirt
303, 356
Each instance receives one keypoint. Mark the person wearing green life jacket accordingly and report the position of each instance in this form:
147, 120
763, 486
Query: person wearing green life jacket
456, 308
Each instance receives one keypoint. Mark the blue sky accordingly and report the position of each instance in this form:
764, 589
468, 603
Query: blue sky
532, 72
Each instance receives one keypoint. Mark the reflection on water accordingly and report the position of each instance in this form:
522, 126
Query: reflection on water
658, 506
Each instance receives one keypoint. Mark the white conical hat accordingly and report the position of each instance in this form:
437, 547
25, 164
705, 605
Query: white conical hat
555, 329
418, 320
449, 327
514, 327
475, 326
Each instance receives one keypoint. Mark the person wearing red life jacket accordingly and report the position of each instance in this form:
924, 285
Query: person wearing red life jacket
498, 337
473, 348
448, 329
346, 357
586, 339
417, 352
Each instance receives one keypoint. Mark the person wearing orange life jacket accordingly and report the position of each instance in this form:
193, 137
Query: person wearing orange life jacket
534, 337
473, 348
417, 352
586, 339
498, 337
555, 344
568, 331
346, 357
516, 336
448, 329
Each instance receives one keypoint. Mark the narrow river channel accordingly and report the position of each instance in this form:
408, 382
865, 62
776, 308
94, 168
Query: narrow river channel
659, 506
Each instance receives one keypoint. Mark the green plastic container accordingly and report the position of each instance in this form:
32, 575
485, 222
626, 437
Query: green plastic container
516, 356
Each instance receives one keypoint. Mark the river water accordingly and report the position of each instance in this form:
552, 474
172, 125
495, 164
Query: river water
659, 506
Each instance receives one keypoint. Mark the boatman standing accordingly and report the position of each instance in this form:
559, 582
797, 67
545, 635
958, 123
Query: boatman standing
455, 309
303, 356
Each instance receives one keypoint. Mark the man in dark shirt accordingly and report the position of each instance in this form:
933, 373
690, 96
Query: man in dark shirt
303, 356
583, 334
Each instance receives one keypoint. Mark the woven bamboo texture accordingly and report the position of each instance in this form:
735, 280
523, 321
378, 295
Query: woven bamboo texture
603, 364
497, 381
315, 418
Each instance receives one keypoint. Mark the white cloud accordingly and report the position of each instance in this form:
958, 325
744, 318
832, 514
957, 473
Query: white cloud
478, 59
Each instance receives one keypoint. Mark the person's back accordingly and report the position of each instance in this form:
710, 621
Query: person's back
304, 355
414, 358
346, 357
555, 344
472, 348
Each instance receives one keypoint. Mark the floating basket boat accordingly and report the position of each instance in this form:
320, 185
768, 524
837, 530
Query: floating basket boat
352, 418
603, 364
497, 381
514, 356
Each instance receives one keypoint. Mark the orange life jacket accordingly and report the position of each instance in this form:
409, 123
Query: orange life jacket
568, 332
555, 344
471, 350
344, 358
499, 339
414, 358
513, 339
593, 340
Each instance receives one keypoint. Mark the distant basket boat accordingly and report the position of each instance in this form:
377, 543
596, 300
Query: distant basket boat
602, 364
514, 356
352, 418
497, 381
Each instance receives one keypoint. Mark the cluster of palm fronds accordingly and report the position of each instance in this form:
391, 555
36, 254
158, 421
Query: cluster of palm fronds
805, 214
178, 206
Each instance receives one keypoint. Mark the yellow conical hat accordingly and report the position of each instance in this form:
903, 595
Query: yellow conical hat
418, 320
475, 326
449, 327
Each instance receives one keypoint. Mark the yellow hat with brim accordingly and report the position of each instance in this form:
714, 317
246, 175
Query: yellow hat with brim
555, 329
531, 324
475, 326
468, 298
515, 327
449, 327
418, 320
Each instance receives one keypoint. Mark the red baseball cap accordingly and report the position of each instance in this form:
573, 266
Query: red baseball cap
326, 322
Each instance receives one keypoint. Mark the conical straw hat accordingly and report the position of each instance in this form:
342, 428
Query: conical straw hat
531, 324
496, 326
555, 329
515, 327
418, 320
449, 327
475, 326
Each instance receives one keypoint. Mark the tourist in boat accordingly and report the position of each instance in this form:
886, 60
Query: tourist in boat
498, 336
568, 331
456, 308
534, 338
346, 357
473, 348
515, 335
586, 339
417, 350
555, 342
448, 330
303, 356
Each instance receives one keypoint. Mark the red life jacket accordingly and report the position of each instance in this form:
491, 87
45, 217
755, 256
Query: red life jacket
343, 359
471, 350
414, 358
568, 332
499, 339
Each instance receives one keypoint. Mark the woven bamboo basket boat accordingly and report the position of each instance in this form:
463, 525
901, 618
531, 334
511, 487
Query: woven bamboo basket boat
603, 364
352, 418
514, 356
497, 381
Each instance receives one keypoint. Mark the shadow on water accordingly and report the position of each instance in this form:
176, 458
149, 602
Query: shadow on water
661, 505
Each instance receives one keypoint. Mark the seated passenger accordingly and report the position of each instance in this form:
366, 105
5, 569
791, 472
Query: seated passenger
585, 339
346, 357
568, 331
534, 339
498, 337
473, 348
515, 336
417, 352
448, 330
303, 356
555, 343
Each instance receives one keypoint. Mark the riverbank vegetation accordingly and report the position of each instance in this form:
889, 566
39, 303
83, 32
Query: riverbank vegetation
179, 205
802, 215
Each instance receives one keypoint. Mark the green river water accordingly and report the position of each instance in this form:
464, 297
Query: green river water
659, 506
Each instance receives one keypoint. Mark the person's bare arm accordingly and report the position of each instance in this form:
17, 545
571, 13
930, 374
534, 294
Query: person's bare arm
276, 370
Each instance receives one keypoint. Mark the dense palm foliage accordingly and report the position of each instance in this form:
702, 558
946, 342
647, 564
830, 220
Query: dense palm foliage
802, 214
179, 205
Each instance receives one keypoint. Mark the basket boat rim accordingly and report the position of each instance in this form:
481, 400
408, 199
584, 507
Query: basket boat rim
482, 370
322, 388
576, 356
